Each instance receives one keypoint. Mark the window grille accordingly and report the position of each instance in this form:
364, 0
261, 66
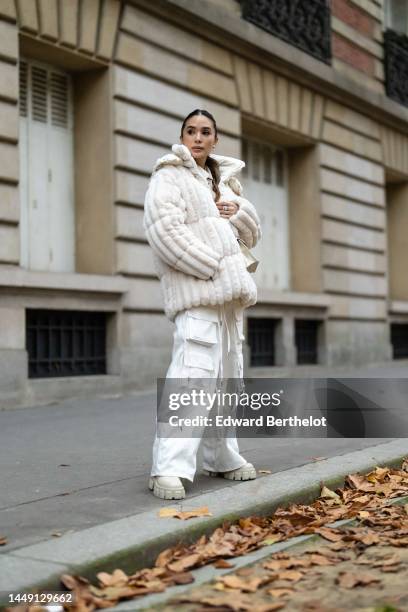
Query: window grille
302, 23
65, 343
396, 50
261, 338
399, 340
306, 340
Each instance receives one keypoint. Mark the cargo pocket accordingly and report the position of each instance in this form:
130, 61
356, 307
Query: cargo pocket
201, 340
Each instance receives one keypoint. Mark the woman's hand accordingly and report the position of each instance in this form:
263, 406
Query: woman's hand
226, 208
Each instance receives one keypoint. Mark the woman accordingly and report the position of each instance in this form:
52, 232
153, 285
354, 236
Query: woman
194, 213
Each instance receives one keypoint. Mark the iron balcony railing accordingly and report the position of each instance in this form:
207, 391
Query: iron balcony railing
396, 66
306, 24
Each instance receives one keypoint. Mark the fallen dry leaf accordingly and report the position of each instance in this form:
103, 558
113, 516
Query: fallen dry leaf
222, 564
164, 557
388, 569
359, 482
184, 514
325, 492
229, 601
377, 475
348, 580
271, 540
3, 540
317, 606
244, 571
118, 578
367, 538
292, 575
318, 559
114, 593
235, 582
363, 514
182, 578
276, 565
264, 472
329, 534
283, 592
363, 499
392, 560
185, 563
385, 489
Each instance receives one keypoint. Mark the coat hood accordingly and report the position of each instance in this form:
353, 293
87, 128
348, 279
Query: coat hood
181, 156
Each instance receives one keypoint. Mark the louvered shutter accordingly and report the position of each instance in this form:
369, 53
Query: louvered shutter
46, 168
265, 183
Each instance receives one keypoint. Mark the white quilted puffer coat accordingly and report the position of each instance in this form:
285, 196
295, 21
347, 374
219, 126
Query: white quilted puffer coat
196, 253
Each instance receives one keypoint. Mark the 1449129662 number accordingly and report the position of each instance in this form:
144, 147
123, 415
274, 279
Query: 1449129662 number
49, 597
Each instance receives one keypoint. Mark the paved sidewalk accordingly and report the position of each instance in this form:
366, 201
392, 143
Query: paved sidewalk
79, 463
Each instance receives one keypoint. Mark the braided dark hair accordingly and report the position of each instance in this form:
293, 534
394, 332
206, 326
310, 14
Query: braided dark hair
211, 162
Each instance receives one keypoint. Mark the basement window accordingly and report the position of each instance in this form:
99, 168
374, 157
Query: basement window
306, 331
65, 343
261, 338
399, 340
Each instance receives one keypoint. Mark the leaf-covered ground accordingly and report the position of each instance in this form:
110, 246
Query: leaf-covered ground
370, 557
363, 567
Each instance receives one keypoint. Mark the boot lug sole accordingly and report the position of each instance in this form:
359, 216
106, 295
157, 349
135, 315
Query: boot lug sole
163, 493
247, 475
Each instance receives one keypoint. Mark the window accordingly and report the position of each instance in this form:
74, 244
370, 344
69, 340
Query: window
306, 340
265, 184
261, 339
399, 340
396, 15
65, 343
46, 168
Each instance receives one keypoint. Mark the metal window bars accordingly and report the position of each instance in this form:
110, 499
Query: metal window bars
65, 343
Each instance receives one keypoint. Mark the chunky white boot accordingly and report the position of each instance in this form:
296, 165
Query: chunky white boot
246, 472
167, 487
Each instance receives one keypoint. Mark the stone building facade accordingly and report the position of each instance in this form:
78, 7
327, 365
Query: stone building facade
92, 92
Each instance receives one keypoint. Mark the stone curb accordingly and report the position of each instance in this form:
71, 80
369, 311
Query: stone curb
134, 542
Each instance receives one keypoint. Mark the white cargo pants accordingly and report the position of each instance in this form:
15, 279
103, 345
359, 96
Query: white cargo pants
207, 344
